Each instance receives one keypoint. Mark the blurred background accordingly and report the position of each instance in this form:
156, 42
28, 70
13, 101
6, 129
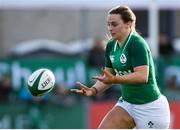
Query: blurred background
68, 37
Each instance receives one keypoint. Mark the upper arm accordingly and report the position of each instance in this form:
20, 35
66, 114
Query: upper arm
140, 59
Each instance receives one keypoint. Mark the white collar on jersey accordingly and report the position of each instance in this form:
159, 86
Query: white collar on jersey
115, 47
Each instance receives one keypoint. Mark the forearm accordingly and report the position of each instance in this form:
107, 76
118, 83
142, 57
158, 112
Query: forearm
101, 87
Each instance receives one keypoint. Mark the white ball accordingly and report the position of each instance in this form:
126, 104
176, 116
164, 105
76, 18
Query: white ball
40, 82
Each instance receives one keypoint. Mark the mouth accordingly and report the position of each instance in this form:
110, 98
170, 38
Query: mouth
112, 34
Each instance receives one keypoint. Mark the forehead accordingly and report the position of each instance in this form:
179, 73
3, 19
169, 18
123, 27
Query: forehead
113, 17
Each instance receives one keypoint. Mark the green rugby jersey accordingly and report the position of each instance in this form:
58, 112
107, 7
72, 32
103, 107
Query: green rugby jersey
134, 52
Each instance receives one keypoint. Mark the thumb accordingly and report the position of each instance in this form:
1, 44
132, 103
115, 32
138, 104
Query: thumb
82, 86
107, 73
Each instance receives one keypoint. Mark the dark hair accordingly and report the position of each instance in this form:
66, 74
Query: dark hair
126, 14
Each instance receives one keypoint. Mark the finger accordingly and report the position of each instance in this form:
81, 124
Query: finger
73, 90
94, 77
84, 91
81, 85
76, 91
107, 73
102, 69
100, 78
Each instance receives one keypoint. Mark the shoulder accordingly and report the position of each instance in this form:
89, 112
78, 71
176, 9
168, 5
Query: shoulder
138, 42
138, 39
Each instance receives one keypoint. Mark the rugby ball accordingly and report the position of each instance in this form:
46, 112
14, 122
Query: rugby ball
41, 82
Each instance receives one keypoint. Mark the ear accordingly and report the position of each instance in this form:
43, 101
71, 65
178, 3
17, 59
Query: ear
129, 24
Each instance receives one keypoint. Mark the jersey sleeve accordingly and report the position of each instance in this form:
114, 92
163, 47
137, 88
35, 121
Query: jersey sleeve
139, 52
107, 56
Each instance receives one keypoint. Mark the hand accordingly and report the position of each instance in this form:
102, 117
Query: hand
84, 90
107, 78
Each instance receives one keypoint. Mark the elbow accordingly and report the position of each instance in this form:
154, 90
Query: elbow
144, 80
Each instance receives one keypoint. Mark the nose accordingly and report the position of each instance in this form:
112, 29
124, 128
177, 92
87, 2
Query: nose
110, 28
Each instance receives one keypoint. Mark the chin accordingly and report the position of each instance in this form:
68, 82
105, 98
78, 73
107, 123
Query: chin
114, 38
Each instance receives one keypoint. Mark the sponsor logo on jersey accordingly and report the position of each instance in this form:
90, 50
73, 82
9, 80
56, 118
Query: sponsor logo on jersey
122, 72
123, 58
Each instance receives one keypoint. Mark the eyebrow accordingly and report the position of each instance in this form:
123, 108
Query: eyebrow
113, 22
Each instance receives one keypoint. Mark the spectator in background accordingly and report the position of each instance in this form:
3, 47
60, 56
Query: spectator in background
165, 45
172, 77
61, 96
5, 88
96, 57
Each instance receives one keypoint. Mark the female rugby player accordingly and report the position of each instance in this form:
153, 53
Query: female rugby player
129, 62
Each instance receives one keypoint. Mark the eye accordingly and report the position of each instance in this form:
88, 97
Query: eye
114, 24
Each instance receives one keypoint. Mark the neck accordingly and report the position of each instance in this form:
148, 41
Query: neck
123, 38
